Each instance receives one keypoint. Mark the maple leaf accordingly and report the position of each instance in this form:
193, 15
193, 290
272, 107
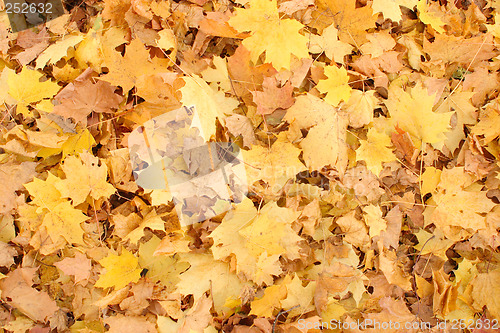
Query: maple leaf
377, 44
485, 291
219, 75
79, 266
64, 221
121, 323
274, 165
44, 192
264, 307
299, 295
350, 21
412, 111
355, 231
279, 38
465, 51
217, 277
489, 124
335, 86
389, 265
450, 209
429, 14
12, 177
79, 99
360, 107
26, 88
160, 267
84, 177
390, 9
257, 239
132, 227
328, 42
329, 134
210, 105
374, 220
375, 150
60, 219
58, 50
17, 291
125, 71
120, 270
460, 102
241, 125
273, 96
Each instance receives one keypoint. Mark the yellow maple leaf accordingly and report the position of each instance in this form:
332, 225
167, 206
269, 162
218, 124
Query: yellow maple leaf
165, 269
354, 230
257, 239
351, 22
60, 219
218, 77
120, 270
412, 111
489, 124
329, 43
84, 177
298, 295
335, 86
274, 165
360, 107
205, 274
393, 272
264, 307
271, 232
460, 102
430, 15
125, 71
462, 209
64, 221
486, 291
279, 38
26, 88
390, 8
374, 220
330, 136
44, 193
77, 143
374, 150
435, 243
210, 105
134, 232
58, 50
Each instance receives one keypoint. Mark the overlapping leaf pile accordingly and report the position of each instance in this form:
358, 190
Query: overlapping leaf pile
370, 137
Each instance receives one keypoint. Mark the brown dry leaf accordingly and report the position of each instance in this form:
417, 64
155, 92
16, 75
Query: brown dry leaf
17, 292
389, 265
463, 51
482, 82
241, 125
445, 294
81, 98
12, 177
129, 324
485, 289
350, 21
274, 96
79, 266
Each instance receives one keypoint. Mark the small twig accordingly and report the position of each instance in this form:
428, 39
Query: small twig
279, 314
